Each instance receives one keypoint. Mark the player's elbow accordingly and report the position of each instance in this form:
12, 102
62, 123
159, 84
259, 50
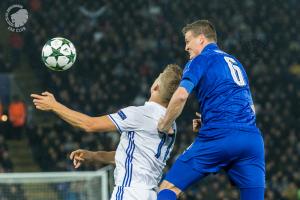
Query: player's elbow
181, 94
89, 125
88, 129
181, 98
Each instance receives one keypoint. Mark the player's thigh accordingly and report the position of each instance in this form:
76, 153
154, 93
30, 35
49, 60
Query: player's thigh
128, 193
252, 193
248, 170
182, 174
247, 176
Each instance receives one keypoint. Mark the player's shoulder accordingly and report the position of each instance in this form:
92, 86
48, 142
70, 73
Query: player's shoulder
148, 107
198, 60
129, 111
144, 116
207, 54
137, 109
154, 108
215, 55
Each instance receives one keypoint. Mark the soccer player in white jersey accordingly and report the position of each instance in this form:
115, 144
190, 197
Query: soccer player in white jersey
142, 152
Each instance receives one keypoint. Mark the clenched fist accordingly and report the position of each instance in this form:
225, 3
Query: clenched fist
79, 156
197, 123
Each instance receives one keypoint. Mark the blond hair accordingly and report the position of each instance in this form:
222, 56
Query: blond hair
204, 27
169, 80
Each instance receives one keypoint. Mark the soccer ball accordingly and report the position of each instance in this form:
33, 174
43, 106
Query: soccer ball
59, 54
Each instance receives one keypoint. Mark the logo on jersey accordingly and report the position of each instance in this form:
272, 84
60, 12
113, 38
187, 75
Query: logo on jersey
122, 114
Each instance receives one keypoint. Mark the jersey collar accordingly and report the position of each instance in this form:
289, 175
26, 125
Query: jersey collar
211, 46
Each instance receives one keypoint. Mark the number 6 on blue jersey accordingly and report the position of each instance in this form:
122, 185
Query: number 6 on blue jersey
236, 72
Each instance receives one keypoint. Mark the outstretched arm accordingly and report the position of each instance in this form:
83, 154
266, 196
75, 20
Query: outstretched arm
174, 109
46, 102
81, 156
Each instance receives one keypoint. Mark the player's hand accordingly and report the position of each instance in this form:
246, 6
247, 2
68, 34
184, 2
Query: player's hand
197, 123
80, 156
162, 129
46, 101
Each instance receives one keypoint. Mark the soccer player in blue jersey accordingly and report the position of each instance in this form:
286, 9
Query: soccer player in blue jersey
228, 138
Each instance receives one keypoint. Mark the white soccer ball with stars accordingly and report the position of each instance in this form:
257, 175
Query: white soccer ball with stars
59, 54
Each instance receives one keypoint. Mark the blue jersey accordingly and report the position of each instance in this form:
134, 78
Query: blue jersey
222, 89
228, 138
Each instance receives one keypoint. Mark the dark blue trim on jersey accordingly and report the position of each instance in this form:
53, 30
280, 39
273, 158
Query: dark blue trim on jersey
131, 166
115, 123
122, 114
129, 158
120, 193
117, 193
169, 146
162, 141
187, 84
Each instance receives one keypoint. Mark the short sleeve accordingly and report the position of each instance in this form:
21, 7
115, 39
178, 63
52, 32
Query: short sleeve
125, 119
193, 72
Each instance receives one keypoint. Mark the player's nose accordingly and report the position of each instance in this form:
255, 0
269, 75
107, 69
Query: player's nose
186, 48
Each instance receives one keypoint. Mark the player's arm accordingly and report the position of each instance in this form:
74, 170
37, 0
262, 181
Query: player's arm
81, 156
47, 102
174, 109
191, 75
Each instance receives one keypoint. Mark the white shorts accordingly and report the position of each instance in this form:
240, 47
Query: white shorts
129, 193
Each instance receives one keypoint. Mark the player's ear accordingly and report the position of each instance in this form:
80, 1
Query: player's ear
200, 39
156, 86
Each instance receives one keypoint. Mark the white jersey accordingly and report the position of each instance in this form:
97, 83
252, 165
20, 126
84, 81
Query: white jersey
130, 193
142, 152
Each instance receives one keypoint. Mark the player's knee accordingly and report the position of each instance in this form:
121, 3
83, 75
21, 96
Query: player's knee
166, 194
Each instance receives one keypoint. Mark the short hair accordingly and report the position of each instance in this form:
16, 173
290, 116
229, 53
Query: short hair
204, 27
169, 81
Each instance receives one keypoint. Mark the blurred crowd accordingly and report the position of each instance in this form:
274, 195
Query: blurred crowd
12, 122
5, 161
123, 45
7, 191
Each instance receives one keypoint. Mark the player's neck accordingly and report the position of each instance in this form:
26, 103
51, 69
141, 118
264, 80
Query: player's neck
206, 43
157, 100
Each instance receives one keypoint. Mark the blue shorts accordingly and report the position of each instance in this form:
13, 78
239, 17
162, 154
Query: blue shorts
239, 153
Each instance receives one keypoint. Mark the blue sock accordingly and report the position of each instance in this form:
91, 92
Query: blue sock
166, 195
252, 193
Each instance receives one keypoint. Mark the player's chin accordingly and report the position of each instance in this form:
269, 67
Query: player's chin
192, 56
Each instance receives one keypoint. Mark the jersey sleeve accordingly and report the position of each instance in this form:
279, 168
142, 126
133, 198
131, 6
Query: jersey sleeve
192, 73
126, 119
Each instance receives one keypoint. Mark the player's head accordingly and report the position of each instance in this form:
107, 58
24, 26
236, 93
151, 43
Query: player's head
197, 35
167, 82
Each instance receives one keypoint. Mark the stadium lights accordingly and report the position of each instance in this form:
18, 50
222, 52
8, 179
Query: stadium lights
4, 118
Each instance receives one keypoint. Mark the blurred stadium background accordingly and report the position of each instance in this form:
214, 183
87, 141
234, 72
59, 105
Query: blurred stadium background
121, 46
